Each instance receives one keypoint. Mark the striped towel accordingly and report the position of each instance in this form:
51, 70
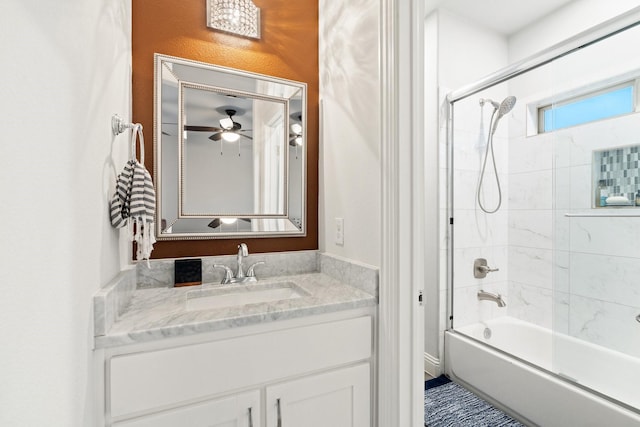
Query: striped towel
133, 203
121, 200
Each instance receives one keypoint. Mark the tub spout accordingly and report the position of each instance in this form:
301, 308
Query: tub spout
488, 296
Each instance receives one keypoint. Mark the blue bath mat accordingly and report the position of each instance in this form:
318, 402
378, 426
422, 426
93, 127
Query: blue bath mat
447, 404
435, 382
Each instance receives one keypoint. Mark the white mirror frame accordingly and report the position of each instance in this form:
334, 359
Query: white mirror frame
190, 228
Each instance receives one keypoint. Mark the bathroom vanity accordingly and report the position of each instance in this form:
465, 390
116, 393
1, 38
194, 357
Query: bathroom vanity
308, 360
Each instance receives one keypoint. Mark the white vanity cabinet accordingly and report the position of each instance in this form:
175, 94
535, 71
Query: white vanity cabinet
314, 372
338, 398
233, 411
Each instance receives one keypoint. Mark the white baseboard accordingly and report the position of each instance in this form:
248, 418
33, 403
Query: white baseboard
432, 365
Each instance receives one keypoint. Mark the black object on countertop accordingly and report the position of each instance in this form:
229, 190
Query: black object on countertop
187, 272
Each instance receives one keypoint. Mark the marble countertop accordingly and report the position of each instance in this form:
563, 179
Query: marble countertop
158, 313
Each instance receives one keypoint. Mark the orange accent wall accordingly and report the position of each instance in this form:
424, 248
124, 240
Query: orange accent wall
288, 48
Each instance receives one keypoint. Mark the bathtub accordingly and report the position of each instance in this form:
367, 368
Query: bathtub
534, 394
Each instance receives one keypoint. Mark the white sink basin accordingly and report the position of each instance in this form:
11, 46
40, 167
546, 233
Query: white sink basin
237, 295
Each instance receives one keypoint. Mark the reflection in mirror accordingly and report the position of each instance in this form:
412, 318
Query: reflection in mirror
230, 152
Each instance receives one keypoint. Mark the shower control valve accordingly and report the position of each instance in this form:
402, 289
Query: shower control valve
480, 268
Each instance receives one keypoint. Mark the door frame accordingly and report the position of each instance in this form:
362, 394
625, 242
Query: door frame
401, 327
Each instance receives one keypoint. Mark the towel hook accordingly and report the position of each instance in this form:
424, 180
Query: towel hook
118, 125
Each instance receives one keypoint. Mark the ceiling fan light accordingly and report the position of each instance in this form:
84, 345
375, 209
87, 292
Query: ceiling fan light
230, 136
226, 123
296, 128
228, 221
298, 140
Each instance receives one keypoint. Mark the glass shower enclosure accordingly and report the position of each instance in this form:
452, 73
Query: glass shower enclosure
544, 251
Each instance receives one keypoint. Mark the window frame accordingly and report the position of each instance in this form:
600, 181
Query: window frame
592, 92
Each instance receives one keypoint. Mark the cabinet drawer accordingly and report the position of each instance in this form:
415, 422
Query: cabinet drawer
239, 410
143, 381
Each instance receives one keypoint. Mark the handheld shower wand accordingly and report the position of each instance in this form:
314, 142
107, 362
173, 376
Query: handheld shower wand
499, 111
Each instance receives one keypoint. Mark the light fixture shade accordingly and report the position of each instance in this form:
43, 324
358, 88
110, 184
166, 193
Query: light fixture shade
230, 136
226, 123
296, 128
240, 17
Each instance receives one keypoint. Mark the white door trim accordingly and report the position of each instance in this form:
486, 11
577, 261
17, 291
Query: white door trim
401, 332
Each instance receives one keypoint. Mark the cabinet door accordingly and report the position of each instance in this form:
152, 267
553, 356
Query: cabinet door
338, 398
242, 410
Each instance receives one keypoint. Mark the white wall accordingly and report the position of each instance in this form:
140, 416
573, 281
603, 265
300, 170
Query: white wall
66, 69
349, 135
575, 17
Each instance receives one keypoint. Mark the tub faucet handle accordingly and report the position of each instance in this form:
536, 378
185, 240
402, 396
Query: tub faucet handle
480, 268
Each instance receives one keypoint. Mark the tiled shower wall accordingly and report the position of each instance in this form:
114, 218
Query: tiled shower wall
568, 269
563, 265
574, 268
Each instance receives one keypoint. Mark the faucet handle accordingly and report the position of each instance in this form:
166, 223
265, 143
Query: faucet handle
250, 272
228, 275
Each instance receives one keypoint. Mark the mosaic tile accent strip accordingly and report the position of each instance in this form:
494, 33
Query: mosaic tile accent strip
620, 169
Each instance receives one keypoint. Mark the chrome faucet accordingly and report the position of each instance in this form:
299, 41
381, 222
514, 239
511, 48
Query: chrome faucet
488, 296
240, 276
243, 251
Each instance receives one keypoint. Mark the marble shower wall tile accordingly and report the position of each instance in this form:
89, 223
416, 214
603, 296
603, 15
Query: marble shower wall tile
606, 236
531, 228
474, 228
606, 278
111, 301
540, 306
573, 188
358, 275
608, 324
531, 154
531, 190
531, 266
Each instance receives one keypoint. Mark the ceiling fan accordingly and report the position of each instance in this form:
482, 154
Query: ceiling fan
229, 129
295, 130
217, 222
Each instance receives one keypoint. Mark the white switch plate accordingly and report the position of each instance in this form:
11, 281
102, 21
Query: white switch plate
339, 231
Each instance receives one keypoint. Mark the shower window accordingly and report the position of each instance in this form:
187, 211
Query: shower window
602, 104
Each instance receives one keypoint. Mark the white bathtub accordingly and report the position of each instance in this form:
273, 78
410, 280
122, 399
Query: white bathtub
537, 397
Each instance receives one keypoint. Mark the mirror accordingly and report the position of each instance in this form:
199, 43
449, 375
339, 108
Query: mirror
230, 152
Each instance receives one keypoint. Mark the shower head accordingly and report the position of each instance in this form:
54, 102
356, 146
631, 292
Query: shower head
502, 109
505, 106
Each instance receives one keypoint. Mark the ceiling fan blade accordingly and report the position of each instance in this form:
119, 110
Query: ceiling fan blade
202, 128
216, 137
245, 136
